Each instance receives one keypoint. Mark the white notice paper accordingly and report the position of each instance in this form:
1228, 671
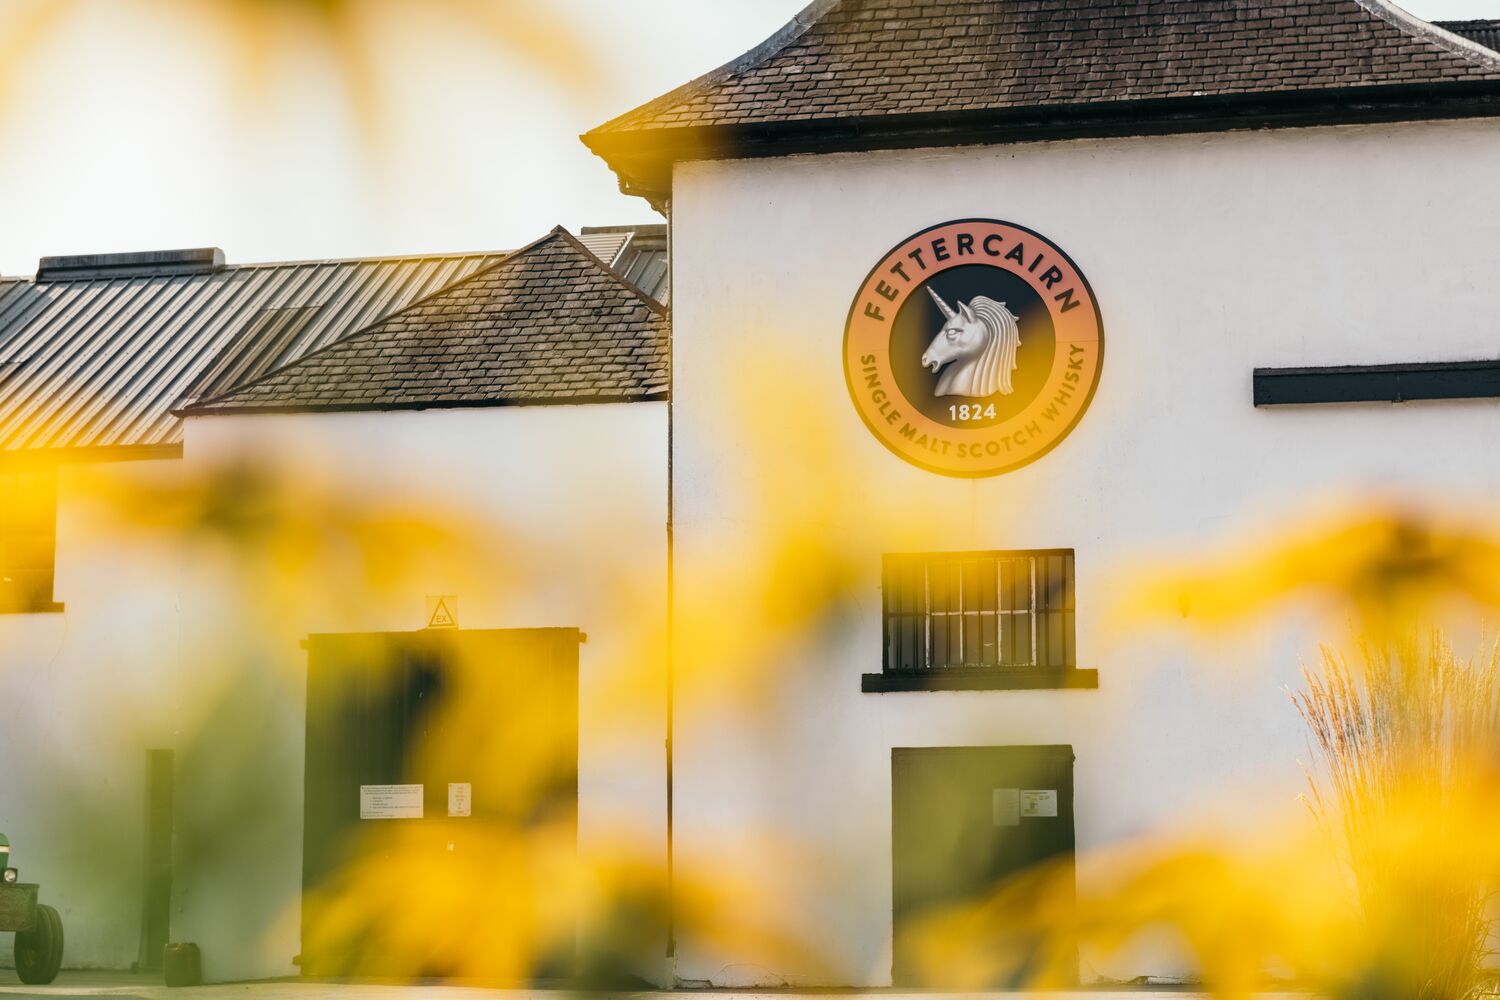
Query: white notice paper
1038, 802
1005, 807
460, 798
390, 801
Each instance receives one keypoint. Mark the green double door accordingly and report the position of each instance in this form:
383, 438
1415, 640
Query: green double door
966, 822
437, 762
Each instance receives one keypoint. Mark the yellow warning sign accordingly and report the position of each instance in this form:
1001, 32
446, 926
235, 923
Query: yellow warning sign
442, 611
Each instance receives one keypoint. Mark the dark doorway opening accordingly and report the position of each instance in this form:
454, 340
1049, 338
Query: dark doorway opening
964, 820
431, 757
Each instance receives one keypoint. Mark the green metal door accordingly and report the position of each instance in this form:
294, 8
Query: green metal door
964, 820
397, 721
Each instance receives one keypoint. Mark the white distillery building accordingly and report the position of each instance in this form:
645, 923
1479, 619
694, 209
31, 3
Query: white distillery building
1083, 285
1278, 217
155, 722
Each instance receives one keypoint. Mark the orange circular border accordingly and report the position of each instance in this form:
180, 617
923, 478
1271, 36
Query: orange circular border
1020, 440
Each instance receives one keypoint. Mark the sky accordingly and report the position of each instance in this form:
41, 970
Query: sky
417, 126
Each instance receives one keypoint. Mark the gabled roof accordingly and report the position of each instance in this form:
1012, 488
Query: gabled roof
96, 351
872, 73
551, 323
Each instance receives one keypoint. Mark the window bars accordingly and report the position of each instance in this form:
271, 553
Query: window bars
979, 610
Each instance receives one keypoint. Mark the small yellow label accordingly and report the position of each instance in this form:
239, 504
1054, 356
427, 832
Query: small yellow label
442, 611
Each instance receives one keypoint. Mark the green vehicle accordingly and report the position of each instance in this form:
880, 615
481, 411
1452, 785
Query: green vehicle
39, 933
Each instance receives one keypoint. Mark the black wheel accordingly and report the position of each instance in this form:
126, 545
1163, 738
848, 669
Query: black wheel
39, 950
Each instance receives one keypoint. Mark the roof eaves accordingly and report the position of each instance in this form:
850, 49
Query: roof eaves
78, 454
642, 154
646, 395
600, 139
643, 160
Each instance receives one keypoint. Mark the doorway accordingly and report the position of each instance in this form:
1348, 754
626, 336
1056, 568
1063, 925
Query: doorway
963, 820
433, 759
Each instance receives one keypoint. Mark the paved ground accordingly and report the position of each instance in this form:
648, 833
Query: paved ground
125, 986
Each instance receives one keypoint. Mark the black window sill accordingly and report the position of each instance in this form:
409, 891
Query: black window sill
965, 679
40, 608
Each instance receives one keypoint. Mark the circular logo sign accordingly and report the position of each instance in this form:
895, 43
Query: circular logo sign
973, 347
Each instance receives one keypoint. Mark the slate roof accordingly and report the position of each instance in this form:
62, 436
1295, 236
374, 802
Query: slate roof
881, 57
550, 323
842, 66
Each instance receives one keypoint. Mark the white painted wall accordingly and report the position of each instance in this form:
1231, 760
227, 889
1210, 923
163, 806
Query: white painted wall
150, 636
577, 497
1210, 255
85, 692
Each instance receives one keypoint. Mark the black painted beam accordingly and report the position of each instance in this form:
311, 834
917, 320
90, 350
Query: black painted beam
1378, 383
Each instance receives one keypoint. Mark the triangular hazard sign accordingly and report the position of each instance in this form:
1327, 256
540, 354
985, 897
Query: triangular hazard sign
441, 616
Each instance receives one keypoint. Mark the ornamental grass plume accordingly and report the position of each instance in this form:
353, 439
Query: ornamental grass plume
1384, 897
1405, 734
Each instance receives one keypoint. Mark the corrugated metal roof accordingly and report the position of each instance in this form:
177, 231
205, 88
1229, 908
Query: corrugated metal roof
1485, 31
101, 362
604, 242
643, 263
636, 253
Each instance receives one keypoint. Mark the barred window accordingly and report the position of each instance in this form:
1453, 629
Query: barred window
950, 610
28, 533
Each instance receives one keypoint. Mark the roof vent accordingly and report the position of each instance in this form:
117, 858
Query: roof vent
141, 264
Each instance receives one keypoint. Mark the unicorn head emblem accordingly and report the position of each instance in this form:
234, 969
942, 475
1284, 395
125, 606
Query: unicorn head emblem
978, 343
